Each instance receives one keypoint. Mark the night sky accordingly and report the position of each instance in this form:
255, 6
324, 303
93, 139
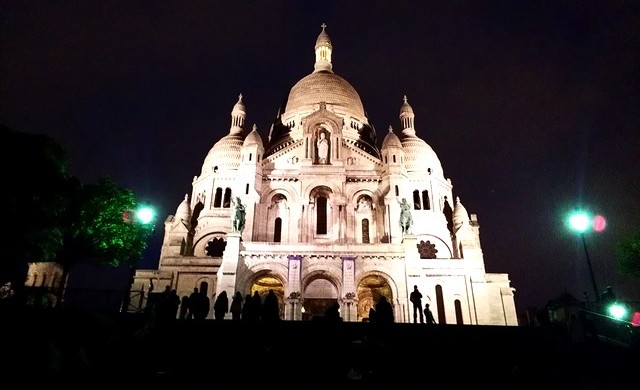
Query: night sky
532, 107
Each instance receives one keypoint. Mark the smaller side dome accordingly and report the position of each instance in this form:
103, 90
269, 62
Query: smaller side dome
183, 213
391, 140
460, 215
253, 138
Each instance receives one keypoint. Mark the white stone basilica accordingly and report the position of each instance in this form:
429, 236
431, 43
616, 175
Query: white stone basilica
323, 205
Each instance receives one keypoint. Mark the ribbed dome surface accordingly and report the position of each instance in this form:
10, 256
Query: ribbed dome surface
460, 215
183, 213
391, 139
253, 138
325, 87
419, 156
225, 154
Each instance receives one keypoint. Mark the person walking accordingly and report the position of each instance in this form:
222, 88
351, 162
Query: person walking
221, 306
384, 311
416, 299
236, 306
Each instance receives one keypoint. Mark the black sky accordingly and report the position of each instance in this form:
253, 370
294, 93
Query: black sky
532, 106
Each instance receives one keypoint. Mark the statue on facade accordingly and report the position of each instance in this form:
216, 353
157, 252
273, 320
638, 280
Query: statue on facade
406, 220
323, 148
238, 215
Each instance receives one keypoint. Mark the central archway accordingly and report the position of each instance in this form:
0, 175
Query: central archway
369, 291
318, 296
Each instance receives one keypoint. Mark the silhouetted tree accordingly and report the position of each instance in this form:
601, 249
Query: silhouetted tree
35, 200
55, 217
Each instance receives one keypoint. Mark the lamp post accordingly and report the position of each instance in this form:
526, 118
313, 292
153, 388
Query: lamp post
580, 222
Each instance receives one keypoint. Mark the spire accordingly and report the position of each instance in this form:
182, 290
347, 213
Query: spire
407, 117
323, 52
238, 115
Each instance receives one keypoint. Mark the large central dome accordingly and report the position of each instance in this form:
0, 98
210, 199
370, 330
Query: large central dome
325, 86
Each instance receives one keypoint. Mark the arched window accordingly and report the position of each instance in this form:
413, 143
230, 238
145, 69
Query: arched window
226, 203
397, 191
204, 287
277, 230
321, 215
458, 308
365, 231
218, 198
442, 318
246, 189
426, 205
416, 200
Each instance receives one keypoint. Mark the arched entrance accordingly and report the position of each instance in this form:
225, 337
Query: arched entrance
318, 296
369, 291
265, 283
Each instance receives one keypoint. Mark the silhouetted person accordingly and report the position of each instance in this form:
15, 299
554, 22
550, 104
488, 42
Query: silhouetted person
221, 306
256, 305
184, 307
332, 313
173, 303
429, 315
236, 306
416, 299
193, 301
248, 314
372, 314
384, 311
199, 304
271, 307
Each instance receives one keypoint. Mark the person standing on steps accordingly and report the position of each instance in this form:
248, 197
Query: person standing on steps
429, 314
416, 299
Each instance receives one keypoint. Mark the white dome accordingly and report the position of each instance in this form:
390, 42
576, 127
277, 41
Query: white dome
225, 154
420, 157
391, 140
183, 213
253, 138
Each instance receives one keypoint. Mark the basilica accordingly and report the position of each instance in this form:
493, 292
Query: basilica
319, 212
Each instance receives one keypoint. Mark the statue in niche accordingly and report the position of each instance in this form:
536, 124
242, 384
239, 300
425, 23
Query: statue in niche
323, 148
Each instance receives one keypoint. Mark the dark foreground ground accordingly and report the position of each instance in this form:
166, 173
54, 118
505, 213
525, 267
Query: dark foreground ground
77, 348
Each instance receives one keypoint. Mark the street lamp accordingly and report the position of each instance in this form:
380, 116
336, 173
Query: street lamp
580, 222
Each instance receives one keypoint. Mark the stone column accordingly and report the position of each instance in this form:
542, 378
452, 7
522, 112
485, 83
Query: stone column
349, 310
293, 309
229, 267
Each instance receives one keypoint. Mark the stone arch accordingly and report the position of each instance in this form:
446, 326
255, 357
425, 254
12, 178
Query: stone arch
443, 248
364, 218
370, 286
264, 280
200, 246
323, 213
320, 289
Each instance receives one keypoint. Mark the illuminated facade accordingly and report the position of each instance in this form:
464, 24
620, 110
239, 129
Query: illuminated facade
323, 204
